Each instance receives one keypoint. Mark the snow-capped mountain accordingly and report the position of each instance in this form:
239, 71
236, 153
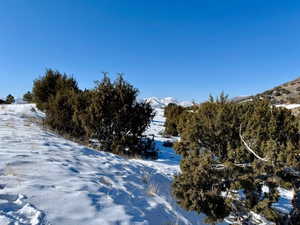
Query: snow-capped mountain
163, 102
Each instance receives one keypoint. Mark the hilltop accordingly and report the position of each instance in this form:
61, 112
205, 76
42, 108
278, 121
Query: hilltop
287, 93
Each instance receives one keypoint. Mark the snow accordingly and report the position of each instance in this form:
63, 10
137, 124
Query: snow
17, 211
289, 106
21, 110
46, 179
284, 203
168, 161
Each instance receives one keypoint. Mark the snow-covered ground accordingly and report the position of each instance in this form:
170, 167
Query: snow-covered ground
289, 106
46, 179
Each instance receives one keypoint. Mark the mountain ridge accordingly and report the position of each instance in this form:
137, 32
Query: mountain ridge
156, 102
286, 93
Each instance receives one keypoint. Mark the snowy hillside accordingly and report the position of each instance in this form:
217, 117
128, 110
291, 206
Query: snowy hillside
46, 179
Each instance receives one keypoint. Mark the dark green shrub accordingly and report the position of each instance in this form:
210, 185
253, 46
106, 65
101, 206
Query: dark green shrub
81, 103
109, 113
228, 147
277, 94
168, 144
172, 114
115, 118
61, 111
295, 214
10, 99
49, 85
28, 97
293, 100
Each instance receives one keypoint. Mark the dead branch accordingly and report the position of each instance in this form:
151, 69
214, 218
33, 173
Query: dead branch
248, 147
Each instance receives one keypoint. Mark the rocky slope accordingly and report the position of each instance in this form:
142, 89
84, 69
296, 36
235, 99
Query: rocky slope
287, 93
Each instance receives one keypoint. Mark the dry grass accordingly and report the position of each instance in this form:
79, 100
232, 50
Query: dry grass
296, 111
146, 178
10, 171
152, 189
10, 125
105, 181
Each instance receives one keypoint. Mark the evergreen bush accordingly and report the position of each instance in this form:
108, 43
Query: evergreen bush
115, 118
27, 97
49, 85
60, 113
229, 147
109, 113
172, 114
10, 99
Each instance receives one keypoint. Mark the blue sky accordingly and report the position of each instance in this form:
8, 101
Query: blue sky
185, 49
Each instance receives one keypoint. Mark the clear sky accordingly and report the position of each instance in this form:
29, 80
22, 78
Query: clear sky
180, 48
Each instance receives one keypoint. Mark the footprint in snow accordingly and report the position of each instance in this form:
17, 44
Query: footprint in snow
22, 156
14, 209
41, 187
74, 170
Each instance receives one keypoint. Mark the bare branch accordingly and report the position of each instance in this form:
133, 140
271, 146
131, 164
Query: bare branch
248, 147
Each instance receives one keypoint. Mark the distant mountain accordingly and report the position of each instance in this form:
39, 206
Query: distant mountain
163, 102
287, 93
